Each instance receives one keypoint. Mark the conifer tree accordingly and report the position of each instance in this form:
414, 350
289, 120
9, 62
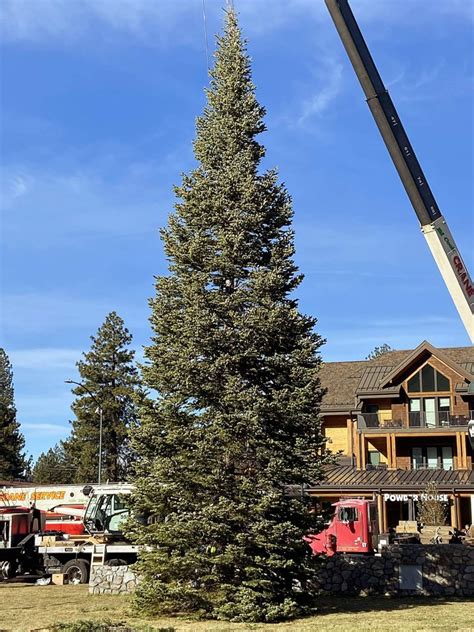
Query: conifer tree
53, 466
377, 352
430, 510
236, 368
12, 442
111, 382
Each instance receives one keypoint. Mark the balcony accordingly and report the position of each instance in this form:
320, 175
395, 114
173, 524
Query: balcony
434, 420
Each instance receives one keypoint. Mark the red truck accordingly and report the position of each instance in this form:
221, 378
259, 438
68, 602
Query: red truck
353, 529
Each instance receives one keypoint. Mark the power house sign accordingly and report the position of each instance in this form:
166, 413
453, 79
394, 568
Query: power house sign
416, 497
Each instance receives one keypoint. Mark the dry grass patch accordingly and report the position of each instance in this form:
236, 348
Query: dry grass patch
25, 607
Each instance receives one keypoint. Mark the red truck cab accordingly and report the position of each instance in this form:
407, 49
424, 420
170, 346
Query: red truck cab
352, 529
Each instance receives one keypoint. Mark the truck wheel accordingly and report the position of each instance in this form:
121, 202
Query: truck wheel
76, 571
8, 569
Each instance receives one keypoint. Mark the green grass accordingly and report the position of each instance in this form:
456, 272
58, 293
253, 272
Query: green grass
25, 607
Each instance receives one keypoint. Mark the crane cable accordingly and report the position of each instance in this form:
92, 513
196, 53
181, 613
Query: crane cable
205, 33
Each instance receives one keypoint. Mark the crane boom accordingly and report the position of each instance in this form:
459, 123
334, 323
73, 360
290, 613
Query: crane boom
433, 225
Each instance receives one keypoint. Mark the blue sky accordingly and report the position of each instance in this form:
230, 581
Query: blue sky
99, 99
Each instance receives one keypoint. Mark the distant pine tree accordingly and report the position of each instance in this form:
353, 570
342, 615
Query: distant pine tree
379, 351
236, 368
53, 466
13, 462
109, 373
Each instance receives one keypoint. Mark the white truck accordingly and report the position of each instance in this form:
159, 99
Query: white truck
27, 547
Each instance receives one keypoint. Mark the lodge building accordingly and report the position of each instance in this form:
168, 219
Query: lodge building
397, 423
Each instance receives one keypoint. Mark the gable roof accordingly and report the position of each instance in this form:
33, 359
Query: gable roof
425, 348
346, 381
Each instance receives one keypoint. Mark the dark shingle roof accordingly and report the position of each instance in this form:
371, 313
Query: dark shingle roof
346, 476
344, 380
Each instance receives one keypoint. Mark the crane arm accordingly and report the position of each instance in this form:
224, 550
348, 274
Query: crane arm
433, 225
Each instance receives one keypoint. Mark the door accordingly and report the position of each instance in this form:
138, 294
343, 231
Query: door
430, 411
415, 414
416, 458
349, 531
432, 457
447, 456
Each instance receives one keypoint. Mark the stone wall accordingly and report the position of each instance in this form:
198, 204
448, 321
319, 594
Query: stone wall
407, 569
111, 580
435, 569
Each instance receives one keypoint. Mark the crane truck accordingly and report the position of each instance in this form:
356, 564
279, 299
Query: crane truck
433, 225
29, 547
62, 505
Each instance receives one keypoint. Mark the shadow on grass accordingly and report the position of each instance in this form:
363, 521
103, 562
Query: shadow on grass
346, 605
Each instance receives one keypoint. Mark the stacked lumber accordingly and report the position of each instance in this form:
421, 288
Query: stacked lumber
436, 535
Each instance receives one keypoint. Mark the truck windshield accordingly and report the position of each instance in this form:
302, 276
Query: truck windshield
106, 512
347, 514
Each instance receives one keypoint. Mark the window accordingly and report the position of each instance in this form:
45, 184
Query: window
429, 406
414, 383
415, 412
443, 382
428, 380
416, 458
444, 404
429, 412
374, 457
447, 457
347, 514
372, 408
432, 457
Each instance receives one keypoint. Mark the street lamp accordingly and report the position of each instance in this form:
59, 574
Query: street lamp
101, 415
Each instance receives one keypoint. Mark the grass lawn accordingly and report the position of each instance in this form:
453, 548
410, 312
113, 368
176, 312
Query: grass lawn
28, 607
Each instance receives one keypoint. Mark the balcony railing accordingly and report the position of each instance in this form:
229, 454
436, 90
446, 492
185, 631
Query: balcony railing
436, 419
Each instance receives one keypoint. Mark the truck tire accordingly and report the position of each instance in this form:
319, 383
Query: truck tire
77, 571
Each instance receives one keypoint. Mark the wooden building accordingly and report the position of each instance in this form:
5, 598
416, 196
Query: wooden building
398, 422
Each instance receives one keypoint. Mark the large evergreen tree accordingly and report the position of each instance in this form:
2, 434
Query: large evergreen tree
236, 369
54, 466
111, 382
12, 442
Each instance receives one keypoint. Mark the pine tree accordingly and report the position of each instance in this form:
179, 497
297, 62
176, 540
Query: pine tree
379, 351
111, 382
236, 369
53, 466
431, 511
12, 459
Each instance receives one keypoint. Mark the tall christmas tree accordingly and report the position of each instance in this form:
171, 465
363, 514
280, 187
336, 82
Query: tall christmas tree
236, 369
12, 442
110, 382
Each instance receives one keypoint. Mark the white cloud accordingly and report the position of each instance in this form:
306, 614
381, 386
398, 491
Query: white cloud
59, 204
47, 21
44, 359
40, 428
329, 83
158, 22
37, 313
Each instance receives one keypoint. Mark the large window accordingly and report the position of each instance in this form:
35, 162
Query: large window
432, 457
428, 380
429, 411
